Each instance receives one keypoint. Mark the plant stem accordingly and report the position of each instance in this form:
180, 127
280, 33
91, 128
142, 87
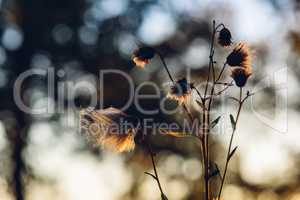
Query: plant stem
206, 164
192, 120
155, 171
199, 94
188, 112
210, 57
206, 113
222, 70
165, 66
221, 91
231, 141
173, 81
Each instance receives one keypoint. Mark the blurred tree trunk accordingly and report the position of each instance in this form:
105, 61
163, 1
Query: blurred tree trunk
15, 125
35, 19
18, 143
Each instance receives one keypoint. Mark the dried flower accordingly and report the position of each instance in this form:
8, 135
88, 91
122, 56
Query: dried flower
240, 56
142, 56
224, 38
240, 75
109, 128
180, 91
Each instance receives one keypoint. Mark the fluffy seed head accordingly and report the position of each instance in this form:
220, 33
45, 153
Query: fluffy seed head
240, 56
180, 91
109, 128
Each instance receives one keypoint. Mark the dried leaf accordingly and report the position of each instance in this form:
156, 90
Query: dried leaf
215, 122
232, 152
232, 121
106, 128
173, 133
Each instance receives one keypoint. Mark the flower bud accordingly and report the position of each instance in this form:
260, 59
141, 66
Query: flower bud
142, 56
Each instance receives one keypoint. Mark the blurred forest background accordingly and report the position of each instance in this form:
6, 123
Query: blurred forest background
44, 157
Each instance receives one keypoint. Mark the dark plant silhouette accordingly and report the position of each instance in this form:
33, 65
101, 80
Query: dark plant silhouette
239, 61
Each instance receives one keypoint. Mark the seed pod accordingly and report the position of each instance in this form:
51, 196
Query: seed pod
224, 38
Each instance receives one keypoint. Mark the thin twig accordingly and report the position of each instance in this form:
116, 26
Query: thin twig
219, 92
187, 111
209, 106
206, 113
222, 70
173, 81
199, 93
155, 176
166, 67
210, 58
241, 102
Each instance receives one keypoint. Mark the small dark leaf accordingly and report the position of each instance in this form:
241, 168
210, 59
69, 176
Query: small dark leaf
232, 152
214, 170
215, 122
164, 197
232, 121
